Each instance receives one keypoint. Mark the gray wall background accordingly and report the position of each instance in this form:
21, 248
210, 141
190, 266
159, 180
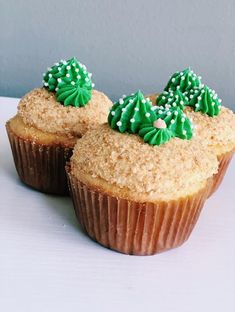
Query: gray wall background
127, 45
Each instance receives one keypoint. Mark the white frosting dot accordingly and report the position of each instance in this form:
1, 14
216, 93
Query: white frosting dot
121, 101
50, 75
77, 70
168, 113
182, 102
172, 121
143, 101
175, 113
68, 67
67, 75
93, 85
46, 84
147, 115
160, 112
123, 109
197, 105
174, 104
137, 109
132, 120
183, 119
184, 132
73, 83
119, 123
59, 80
113, 113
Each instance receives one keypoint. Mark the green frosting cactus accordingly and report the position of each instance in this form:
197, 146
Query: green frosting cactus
155, 133
172, 99
130, 112
205, 100
183, 81
176, 121
70, 81
73, 94
65, 72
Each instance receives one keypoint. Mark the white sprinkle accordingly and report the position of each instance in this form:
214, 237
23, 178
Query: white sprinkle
131, 101
143, 101
46, 84
220, 100
73, 64
197, 105
44, 74
175, 113
119, 123
189, 83
67, 75
174, 104
168, 113
59, 80
172, 121
93, 85
113, 113
57, 64
59, 68
176, 96
148, 99
178, 87
163, 97
87, 79
212, 103
191, 96
64, 62
184, 132
183, 119
153, 108
123, 109
68, 67
147, 115
182, 102
137, 109
89, 75
160, 112
183, 78
173, 79
77, 70
73, 83
132, 120
121, 101
78, 77
215, 97
56, 89
50, 75
199, 98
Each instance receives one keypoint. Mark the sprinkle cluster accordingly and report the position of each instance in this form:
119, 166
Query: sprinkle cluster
70, 80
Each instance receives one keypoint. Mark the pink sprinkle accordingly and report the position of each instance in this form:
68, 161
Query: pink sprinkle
159, 124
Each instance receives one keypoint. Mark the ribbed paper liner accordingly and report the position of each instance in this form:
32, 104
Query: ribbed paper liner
40, 166
224, 161
135, 228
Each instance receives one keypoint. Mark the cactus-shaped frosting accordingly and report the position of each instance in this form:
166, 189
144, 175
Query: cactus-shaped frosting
73, 94
176, 121
71, 82
183, 81
130, 112
66, 72
205, 100
155, 133
172, 99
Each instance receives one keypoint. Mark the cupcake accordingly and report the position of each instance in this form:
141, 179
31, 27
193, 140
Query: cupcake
142, 188
49, 121
215, 124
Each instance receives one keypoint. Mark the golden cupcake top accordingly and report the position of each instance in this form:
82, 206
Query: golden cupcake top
40, 108
67, 103
123, 165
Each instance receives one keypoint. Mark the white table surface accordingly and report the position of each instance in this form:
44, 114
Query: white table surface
48, 264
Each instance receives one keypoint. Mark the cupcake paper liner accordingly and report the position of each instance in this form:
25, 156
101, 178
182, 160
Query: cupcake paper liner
131, 227
224, 161
40, 166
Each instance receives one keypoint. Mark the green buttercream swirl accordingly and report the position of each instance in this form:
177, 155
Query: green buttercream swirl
73, 94
65, 72
205, 100
176, 121
153, 135
183, 81
172, 99
130, 112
